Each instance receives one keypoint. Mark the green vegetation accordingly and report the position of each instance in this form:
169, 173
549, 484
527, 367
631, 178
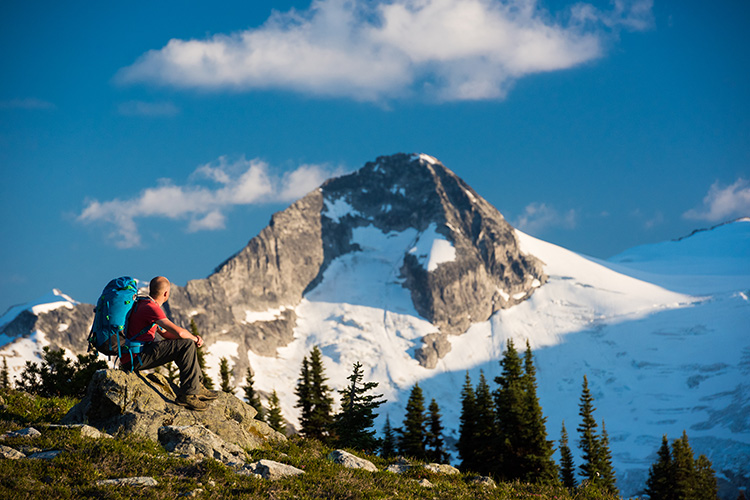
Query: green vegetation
84, 461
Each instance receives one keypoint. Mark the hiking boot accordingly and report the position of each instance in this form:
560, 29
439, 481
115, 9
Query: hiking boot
192, 402
206, 395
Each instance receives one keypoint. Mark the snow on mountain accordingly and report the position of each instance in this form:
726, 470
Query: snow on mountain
658, 361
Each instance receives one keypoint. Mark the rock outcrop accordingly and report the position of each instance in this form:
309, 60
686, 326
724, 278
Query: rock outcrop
140, 404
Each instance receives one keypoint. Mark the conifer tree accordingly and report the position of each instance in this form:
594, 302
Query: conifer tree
510, 402
706, 487
251, 396
353, 424
485, 433
468, 424
659, 482
208, 383
412, 442
589, 442
607, 478
225, 373
597, 458
567, 467
304, 402
434, 443
314, 398
4, 375
274, 418
683, 468
388, 443
538, 465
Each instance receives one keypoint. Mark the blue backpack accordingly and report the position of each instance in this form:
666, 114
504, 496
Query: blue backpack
111, 315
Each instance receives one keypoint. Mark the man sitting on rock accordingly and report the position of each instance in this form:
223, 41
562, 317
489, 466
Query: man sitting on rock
178, 345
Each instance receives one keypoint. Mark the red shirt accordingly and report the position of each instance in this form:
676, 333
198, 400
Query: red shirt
144, 316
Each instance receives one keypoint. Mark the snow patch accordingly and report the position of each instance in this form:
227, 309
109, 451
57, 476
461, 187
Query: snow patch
44, 304
268, 315
432, 249
338, 209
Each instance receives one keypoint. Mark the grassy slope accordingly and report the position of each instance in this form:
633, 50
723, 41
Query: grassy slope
73, 473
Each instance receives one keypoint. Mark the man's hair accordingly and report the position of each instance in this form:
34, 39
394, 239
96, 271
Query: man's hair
158, 286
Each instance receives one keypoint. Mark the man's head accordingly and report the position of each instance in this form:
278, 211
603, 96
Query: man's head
158, 289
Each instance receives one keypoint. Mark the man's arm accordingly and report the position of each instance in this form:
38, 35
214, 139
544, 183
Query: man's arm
173, 332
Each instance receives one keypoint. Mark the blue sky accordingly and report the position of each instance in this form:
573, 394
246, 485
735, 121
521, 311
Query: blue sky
148, 138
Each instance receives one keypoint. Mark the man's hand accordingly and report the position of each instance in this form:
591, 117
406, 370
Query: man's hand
199, 341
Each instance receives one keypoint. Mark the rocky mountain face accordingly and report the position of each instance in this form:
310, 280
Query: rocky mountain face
251, 297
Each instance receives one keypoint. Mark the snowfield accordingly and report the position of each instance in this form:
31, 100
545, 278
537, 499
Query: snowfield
660, 331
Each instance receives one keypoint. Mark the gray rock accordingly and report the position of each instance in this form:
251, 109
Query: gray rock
45, 455
135, 403
27, 432
425, 483
442, 469
483, 481
129, 481
268, 469
197, 440
86, 430
351, 461
400, 466
11, 453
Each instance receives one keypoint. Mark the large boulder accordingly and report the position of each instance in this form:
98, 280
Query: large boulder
137, 403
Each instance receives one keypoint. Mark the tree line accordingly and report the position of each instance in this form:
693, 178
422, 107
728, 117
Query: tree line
502, 432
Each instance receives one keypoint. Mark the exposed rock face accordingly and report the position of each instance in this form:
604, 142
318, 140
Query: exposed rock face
250, 297
138, 404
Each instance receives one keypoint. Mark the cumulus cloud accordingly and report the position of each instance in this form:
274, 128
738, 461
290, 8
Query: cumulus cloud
378, 50
538, 217
723, 203
209, 193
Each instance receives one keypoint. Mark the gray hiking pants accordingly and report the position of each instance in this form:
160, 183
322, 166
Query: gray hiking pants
184, 354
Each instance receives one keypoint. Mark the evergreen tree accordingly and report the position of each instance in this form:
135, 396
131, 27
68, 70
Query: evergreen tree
510, 402
589, 442
225, 374
388, 443
207, 382
467, 431
537, 462
314, 398
413, 435
706, 487
252, 397
434, 440
304, 401
274, 417
353, 425
597, 459
485, 433
4, 375
683, 469
607, 478
659, 482
59, 376
567, 467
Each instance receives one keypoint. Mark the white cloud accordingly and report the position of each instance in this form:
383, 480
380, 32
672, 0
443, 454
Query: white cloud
723, 203
538, 217
378, 50
204, 204
141, 108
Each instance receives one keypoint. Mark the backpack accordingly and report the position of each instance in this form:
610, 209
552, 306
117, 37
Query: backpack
111, 315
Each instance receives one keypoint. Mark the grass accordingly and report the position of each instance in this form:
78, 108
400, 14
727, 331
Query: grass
74, 473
